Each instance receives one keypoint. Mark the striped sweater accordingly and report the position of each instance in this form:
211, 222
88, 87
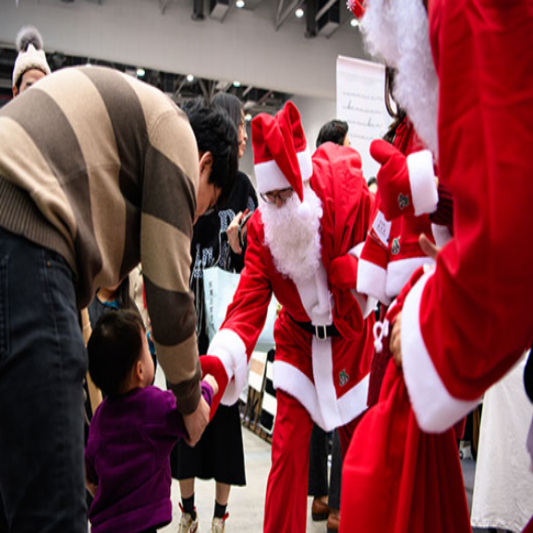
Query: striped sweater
103, 169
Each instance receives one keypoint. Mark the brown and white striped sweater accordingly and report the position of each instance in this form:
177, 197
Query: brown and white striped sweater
103, 169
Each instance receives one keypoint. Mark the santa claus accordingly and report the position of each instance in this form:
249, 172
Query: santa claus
301, 243
461, 326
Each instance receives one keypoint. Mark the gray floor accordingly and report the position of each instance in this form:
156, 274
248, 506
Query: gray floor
246, 503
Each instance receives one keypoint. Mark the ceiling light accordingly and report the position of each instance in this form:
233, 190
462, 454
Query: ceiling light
190, 78
236, 83
240, 4
248, 117
141, 73
299, 13
354, 23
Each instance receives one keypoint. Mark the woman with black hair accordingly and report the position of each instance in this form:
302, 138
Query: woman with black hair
218, 241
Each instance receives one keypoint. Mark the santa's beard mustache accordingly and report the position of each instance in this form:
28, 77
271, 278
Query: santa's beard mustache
293, 240
398, 32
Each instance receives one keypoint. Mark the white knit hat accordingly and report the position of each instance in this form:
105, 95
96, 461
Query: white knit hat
30, 53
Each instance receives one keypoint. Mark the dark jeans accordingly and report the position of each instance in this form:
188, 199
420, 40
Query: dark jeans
318, 467
42, 367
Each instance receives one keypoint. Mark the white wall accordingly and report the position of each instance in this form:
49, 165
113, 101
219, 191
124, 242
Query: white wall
245, 47
314, 112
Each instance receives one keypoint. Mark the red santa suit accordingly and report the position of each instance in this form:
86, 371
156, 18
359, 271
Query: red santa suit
320, 376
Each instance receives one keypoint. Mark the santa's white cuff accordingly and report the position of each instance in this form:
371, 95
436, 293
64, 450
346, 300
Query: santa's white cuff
230, 349
422, 181
441, 234
372, 280
400, 271
435, 409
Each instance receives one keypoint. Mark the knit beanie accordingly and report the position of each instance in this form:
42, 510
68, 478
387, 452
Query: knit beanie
30, 53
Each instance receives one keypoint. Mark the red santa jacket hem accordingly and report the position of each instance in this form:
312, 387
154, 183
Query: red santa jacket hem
422, 181
328, 414
230, 349
435, 408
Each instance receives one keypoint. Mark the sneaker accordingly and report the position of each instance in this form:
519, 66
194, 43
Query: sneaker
219, 524
187, 524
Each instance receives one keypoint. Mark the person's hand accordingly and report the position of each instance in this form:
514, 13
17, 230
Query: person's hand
233, 233
429, 248
196, 422
212, 381
91, 487
395, 341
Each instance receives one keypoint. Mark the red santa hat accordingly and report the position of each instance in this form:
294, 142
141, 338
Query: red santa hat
281, 156
357, 7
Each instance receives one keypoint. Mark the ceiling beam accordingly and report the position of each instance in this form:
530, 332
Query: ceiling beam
282, 16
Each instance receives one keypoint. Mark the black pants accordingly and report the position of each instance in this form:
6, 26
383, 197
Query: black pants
42, 367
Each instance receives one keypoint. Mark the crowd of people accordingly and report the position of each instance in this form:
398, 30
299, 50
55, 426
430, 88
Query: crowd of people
398, 307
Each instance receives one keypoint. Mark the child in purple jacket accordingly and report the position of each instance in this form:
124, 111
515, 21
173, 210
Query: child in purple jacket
132, 432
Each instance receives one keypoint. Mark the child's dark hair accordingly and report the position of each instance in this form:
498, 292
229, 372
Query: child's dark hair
333, 131
114, 347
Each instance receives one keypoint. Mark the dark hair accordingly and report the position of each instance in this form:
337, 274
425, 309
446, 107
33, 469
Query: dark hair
231, 104
334, 131
123, 295
215, 133
114, 347
398, 115
372, 180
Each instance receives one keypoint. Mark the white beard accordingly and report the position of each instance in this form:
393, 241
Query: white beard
398, 32
294, 241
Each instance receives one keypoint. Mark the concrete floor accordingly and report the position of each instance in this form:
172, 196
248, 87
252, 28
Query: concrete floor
246, 504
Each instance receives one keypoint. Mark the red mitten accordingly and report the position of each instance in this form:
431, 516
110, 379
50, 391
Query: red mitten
213, 365
343, 272
406, 184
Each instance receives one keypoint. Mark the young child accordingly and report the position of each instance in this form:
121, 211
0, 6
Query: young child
132, 432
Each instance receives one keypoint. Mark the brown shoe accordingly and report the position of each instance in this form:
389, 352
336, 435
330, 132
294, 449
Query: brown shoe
333, 521
320, 509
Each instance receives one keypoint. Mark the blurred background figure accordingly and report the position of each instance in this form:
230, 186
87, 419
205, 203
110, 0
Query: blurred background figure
31, 64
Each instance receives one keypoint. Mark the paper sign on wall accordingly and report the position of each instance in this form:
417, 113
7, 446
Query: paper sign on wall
361, 103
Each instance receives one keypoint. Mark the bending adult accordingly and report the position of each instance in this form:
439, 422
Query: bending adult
314, 212
86, 193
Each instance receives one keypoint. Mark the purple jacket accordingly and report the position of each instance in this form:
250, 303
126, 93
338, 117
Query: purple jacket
127, 456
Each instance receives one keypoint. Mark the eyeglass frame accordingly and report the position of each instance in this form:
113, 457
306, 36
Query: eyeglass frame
275, 195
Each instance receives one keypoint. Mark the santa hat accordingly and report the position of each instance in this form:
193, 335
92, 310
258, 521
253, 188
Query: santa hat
31, 54
357, 7
281, 156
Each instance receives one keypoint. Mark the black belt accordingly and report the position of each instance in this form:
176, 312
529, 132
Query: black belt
320, 332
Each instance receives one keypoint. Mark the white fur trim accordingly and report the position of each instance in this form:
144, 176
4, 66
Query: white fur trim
230, 349
371, 280
315, 297
269, 176
295, 383
422, 180
399, 272
366, 303
441, 234
435, 409
322, 359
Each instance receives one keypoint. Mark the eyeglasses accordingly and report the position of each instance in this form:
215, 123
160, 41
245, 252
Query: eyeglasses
283, 195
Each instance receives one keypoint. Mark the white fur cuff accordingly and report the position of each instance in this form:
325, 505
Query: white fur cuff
230, 349
422, 180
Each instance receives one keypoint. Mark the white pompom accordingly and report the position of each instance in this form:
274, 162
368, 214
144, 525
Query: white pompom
304, 211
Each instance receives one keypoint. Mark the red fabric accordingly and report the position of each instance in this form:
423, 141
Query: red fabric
286, 496
393, 177
357, 7
405, 481
343, 272
338, 181
213, 365
478, 300
529, 527
279, 138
